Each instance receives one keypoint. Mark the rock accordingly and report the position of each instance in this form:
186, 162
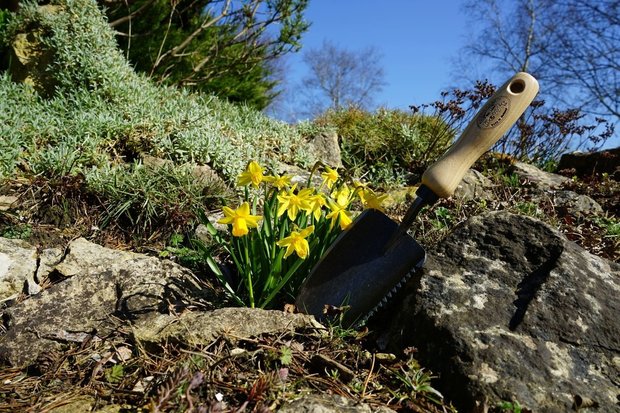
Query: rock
326, 148
329, 404
299, 175
474, 186
31, 58
18, 265
201, 328
584, 164
203, 173
576, 204
538, 178
7, 202
48, 259
101, 289
508, 309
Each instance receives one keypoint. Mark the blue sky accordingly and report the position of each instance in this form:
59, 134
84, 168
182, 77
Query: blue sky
418, 40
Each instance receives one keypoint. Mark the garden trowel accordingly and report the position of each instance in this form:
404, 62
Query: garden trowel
372, 258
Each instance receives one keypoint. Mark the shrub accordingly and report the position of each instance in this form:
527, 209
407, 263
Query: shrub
389, 144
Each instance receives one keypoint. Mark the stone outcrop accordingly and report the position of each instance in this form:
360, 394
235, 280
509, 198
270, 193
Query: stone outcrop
97, 289
201, 328
474, 186
30, 58
508, 309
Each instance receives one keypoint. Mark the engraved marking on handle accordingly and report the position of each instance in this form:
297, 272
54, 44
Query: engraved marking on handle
495, 114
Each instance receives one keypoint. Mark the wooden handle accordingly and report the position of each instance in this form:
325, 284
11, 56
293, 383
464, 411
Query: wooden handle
497, 115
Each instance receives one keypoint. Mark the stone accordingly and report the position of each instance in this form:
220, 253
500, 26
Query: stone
99, 289
299, 175
18, 265
326, 149
330, 404
474, 186
31, 58
576, 204
48, 259
203, 173
7, 202
202, 328
584, 164
538, 178
507, 308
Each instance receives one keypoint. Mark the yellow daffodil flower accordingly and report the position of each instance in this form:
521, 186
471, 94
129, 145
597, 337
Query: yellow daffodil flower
240, 219
330, 176
252, 175
296, 242
338, 206
281, 182
293, 203
372, 200
317, 202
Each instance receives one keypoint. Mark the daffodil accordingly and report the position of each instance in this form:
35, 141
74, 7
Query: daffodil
253, 175
296, 242
317, 202
281, 182
372, 200
338, 206
240, 219
330, 176
292, 203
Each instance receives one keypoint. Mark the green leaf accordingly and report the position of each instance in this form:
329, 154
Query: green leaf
114, 374
286, 356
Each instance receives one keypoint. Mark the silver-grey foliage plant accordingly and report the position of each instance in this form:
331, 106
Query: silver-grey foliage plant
100, 114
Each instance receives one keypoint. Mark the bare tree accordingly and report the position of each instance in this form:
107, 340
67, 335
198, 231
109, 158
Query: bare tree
586, 56
571, 46
339, 77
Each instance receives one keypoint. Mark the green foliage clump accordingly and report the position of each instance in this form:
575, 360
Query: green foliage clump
146, 195
389, 144
102, 117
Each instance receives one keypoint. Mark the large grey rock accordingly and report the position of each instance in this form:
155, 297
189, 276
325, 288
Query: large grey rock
18, 265
103, 288
538, 178
201, 328
329, 404
506, 309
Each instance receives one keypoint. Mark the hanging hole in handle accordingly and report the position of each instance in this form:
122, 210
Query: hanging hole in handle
517, 86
